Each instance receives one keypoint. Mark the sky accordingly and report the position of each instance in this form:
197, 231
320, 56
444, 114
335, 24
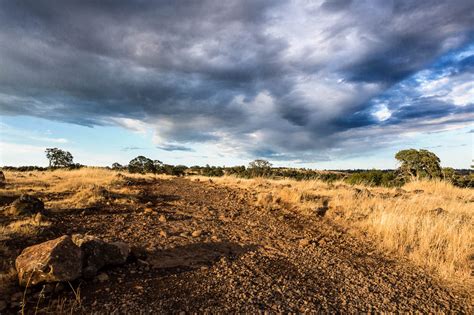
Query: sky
329, 84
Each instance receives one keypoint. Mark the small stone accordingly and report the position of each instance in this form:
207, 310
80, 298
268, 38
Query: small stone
162, 218
184, 234
304, 242
148, 210
163, 234
102, 277
197, 233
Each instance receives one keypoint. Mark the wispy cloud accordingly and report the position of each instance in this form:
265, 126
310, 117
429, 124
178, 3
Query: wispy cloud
132, 148
174, 147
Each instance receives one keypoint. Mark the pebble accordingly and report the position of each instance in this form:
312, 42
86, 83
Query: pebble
304, 242
197, 233
162, 218
102, 277
148, 210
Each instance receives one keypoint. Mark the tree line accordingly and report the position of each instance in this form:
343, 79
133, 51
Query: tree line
413, 165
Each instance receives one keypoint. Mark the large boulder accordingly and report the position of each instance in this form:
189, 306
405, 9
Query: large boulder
98, 253
25, 205
56, 260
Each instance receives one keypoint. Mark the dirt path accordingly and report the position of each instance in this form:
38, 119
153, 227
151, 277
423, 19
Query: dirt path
243, 258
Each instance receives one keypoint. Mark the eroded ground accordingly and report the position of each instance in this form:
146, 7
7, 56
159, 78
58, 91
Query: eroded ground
209, 248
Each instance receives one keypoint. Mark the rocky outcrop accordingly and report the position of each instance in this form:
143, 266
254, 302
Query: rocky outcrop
98, 253
56, 260
25, 205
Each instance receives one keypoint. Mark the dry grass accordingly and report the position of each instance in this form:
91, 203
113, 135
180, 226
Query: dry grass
430, 222
74, 189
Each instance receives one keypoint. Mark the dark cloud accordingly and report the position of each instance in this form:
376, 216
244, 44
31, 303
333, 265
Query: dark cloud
262, 78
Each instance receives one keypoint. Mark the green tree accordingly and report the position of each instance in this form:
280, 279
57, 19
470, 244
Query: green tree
416, 164
59, 158
142, 165
260, 168
158, 166
449, 174
117, 166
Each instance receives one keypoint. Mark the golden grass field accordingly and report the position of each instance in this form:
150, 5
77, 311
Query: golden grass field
429, 222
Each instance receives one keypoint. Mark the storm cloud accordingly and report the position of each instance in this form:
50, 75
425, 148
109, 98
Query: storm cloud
279, 79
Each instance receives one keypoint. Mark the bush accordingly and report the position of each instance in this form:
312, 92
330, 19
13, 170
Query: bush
374, 178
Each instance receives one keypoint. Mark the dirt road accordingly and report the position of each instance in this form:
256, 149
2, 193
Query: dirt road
210, 249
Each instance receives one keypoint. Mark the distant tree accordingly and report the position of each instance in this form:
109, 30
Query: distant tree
260, 164
416, 164
142, 165
59, 158
259, 168
158, 166
117, 166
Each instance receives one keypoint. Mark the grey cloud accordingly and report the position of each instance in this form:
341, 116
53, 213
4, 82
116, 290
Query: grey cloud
174, 147
202, 67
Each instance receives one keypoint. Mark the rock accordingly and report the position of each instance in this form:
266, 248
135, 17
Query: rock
438, 211
138, 252
148, 210
98, 253
303, 242
3, 182
52, 261
26, 205
162, 218
196, 233
362, 193
163, 234
400, 191
103, 277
